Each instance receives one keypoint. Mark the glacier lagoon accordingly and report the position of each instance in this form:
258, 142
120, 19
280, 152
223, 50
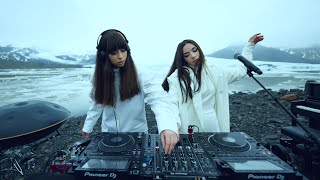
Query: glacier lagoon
70, 87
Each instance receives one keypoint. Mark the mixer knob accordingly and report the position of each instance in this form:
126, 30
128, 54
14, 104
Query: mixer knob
165, 158
184, 165
144, 164
195, 145
150, 163
174, 159
149, 141
173, 169
166, 164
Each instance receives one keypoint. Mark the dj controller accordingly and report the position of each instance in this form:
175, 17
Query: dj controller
203, 156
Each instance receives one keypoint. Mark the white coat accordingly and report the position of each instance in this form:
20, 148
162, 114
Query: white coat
190, 112
130, 115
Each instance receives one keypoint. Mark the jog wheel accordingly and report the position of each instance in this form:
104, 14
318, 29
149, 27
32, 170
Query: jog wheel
116, 142
232, 141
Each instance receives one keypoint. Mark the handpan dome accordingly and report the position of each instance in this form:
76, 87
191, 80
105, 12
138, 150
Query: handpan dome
25, 122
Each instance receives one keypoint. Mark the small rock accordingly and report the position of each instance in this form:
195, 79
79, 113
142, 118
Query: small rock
289, 97
276, 121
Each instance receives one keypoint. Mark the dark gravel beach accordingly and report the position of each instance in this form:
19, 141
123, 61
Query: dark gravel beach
256, 114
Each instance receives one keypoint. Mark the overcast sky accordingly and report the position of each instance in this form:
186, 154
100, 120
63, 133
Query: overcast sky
155, 27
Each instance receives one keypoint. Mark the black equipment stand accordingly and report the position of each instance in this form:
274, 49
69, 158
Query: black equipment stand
294, 118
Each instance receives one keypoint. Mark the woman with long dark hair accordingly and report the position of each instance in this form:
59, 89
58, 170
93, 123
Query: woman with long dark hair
119, 91
198, 93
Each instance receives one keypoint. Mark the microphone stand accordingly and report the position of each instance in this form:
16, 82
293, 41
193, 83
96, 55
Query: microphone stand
294, 118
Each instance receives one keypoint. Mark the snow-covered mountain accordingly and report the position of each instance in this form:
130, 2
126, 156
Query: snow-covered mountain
13, 57
312, 53
296, 55
17, 54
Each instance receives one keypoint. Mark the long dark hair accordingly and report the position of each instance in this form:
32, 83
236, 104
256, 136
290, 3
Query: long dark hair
181, 65
103, 91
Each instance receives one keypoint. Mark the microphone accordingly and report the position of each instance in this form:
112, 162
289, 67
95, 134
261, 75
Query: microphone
247, 63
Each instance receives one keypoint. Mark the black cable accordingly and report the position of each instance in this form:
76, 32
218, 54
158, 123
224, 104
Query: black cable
53, 155
44, 167
196, 127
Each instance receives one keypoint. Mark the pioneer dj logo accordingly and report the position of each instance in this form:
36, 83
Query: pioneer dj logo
278, 176
105, 175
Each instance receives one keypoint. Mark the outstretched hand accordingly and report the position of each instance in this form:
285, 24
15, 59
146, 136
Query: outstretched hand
168, 139
256, 38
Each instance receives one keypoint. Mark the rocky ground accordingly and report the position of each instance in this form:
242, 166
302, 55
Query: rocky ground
256, 114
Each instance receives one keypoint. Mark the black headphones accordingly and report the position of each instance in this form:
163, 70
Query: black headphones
103, 54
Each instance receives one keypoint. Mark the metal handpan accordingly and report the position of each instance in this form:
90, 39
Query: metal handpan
25, 122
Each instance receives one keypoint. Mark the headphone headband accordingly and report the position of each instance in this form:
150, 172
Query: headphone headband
109, 30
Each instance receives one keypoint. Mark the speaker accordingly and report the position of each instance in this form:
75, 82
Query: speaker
103, 54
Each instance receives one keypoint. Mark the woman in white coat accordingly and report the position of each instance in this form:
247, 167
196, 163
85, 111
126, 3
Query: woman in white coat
119, 92
198, 94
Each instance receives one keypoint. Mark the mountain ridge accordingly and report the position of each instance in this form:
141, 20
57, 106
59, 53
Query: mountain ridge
22, 58
293, 55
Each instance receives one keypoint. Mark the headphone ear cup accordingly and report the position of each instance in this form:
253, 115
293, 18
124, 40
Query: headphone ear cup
102, 55
129, 50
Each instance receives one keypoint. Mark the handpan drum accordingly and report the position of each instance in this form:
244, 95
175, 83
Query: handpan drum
28, 121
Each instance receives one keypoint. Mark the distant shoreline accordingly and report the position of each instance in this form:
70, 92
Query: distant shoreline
6, 64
